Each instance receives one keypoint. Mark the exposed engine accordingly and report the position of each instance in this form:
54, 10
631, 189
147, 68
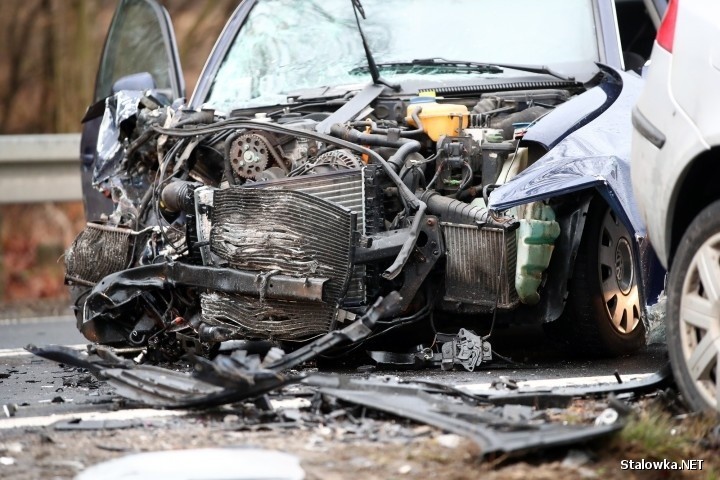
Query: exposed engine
285, 226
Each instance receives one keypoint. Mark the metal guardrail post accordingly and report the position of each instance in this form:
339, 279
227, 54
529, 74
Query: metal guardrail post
40, 168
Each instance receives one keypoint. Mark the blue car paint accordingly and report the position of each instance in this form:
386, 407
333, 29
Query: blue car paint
588, 139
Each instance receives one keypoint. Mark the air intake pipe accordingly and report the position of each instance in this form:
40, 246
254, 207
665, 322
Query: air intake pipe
178, 197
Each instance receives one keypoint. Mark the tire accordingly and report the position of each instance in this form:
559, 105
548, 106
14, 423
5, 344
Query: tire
693, 314
602, 316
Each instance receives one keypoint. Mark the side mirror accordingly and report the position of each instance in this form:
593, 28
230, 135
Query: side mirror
136, 81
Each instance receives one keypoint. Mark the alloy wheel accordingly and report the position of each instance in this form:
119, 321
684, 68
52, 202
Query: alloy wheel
618, 278
700, 319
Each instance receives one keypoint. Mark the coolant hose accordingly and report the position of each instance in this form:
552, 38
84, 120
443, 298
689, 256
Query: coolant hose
405, 146
454, 211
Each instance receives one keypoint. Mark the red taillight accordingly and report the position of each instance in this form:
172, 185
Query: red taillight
666, 33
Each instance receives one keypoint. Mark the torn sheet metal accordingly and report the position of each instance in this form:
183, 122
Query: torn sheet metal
110, 150
497, 430
580, 160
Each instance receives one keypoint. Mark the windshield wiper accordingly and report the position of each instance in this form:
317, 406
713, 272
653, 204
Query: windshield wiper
371, 66
461, 66
435, 64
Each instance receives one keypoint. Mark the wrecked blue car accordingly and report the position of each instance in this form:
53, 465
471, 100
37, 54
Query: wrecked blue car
338, 153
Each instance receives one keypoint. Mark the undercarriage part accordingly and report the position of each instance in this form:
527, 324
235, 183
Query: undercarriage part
499, 421
243, 316
494, 430
98, 251
466, 349
480, 266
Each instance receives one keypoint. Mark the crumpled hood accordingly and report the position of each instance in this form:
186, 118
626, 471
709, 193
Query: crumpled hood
594, 155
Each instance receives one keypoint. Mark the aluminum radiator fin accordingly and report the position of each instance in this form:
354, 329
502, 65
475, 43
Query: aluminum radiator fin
96, 252
276, 319
476, 257
345, 188
286, 232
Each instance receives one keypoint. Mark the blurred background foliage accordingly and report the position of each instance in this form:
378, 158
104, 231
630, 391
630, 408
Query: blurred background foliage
49, 53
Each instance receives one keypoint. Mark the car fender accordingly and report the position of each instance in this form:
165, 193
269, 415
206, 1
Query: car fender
588, 156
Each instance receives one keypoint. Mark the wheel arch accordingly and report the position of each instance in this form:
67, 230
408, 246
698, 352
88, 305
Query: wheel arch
698, 187
576, 316
571, 211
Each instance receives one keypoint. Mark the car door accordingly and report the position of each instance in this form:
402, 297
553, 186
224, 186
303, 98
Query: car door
140, 53
637, 24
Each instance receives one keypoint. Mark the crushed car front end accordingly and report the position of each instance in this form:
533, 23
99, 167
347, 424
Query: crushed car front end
459, 189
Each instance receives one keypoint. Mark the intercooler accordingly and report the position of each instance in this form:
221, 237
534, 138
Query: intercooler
480, 268
282, 229
96, 252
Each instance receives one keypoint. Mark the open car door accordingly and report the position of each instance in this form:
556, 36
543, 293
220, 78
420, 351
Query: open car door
140, 53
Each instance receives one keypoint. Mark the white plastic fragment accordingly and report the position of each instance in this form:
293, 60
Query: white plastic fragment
200, 464
449, 440
607, 417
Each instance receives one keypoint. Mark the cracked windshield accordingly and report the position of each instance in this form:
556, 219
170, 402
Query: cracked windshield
316, 43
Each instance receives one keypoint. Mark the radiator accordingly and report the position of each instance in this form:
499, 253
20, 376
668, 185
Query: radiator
480, 266
280, 231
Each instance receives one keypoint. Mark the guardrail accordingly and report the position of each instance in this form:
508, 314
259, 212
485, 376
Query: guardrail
40, 168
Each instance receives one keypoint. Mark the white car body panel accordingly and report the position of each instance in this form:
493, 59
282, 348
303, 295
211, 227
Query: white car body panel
681, 100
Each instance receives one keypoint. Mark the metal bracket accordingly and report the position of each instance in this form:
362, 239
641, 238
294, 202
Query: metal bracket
466, 349
428, 250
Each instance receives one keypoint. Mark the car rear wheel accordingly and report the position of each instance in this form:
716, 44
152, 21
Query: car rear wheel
602, 316
693, 319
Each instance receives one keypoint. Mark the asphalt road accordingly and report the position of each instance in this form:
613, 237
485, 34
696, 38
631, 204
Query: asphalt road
16, 333
34, 382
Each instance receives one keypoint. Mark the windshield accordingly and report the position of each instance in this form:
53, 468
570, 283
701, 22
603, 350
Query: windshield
289, 45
